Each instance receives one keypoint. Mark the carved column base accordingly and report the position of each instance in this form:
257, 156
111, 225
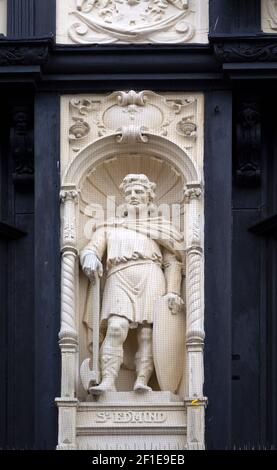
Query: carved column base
195, 365
196, 423
67, 423
68, 346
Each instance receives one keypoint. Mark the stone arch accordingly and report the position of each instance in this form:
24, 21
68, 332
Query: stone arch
108, 146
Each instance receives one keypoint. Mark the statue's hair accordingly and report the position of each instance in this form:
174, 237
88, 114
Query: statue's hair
141, 179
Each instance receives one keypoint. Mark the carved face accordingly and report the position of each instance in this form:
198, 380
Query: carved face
21, 121
136, 194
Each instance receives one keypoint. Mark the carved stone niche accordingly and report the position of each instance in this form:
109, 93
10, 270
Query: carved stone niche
138, 330
132, 21
269, 16
3, 17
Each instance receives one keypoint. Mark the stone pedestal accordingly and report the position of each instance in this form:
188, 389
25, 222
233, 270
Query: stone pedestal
128, 420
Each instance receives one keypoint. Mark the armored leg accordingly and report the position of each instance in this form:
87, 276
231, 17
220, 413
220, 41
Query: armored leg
144, 359
111, 354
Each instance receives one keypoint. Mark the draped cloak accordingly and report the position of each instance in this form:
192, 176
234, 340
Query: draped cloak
134, 279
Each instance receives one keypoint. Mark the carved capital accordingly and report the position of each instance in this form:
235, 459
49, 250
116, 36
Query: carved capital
69, 194
192, 191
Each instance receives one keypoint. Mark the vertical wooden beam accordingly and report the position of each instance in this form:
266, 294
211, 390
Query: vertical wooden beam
21, 18
235, 17
31, 18
47, 268
218, 230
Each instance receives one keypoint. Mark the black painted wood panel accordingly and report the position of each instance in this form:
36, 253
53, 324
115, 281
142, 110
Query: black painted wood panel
47, 269
236, 17
218, 226
31, 18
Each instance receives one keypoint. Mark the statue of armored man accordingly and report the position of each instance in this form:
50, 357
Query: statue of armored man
144, 260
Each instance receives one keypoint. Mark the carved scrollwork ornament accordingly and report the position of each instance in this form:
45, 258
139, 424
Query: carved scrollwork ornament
131, 134
111, 21
16, 54
246, 51
84, 106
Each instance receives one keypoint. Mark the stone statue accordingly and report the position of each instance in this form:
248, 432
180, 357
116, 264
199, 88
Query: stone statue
144, 259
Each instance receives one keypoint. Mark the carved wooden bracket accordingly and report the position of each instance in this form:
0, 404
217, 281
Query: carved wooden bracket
248, 145
24, 52
247, 49
22, 146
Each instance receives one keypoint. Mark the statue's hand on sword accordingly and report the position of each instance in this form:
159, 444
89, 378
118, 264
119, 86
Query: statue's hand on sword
92, 266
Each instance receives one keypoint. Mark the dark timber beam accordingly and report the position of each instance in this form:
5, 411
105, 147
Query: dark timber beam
235, 17
218, 255
31, 18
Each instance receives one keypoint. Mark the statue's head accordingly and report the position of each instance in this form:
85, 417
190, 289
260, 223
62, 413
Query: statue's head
137, 190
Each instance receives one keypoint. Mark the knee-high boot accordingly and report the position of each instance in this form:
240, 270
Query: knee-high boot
111, 359
144, 360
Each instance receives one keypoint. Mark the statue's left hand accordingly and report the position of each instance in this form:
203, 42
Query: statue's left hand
175, 302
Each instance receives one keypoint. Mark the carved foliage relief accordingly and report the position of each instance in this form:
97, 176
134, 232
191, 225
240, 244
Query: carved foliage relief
132, 21
269, 16
130, 116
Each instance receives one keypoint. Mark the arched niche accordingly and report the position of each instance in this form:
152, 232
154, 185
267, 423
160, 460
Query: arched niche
96, 173
107, 147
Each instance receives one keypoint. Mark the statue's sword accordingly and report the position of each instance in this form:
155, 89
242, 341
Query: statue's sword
92, 376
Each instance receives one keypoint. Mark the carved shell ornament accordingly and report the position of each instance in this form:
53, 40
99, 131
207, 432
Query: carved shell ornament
131, 21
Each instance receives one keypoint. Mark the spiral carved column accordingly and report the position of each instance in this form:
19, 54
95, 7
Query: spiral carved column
68, 333
195, 335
